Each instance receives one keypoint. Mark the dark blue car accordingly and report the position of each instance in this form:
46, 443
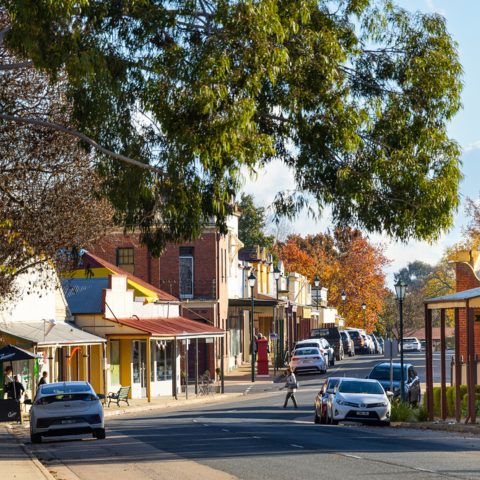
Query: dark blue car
381, 372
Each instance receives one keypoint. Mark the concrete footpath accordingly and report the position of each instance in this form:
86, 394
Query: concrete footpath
16, 461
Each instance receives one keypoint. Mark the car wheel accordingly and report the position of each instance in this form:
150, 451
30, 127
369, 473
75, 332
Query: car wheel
316, 419
35, 438
334, 422
385, 424
333, 360
99, 433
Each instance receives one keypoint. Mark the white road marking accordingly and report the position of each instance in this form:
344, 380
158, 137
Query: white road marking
424, 470
352, 456
232, 411
256, 437
195, 421
223, 430
297, 446
205, 425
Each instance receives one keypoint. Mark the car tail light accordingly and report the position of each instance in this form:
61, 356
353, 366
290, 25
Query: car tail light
362, 341
295, 358
316, 358
42, 401
91, 397
38, 423
99, 419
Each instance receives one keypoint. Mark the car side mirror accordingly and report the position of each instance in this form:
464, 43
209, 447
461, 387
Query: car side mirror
366, 376
27, 401
390, 396
101, 396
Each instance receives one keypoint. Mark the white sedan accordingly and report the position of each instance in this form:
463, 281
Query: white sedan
358, 400
411, 344
307, 360
67, 408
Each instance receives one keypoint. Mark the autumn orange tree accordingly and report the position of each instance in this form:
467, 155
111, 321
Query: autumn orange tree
344, 260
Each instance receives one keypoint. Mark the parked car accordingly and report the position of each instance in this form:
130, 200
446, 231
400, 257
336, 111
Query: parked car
322, 344
308, 359
411, 344
378, 349
381, 372
381, 341
67, 408
348, 345
333, 337
358, 341
358, 400
368, 343
422, 344
327, 389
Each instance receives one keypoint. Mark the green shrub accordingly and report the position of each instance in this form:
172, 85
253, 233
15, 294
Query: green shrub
451, 401
401, 412
421, 414
437, 393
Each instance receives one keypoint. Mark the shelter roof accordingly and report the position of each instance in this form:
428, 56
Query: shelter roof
456, 300
170, 327
64, 333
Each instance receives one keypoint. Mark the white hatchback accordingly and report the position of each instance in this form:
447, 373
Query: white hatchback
411, 344
308, 359
359, 401
67, 408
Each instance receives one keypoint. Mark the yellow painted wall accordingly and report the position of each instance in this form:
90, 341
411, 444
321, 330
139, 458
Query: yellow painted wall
97, 373
126, 364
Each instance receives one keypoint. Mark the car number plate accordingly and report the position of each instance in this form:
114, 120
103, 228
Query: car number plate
68, 421
363, 414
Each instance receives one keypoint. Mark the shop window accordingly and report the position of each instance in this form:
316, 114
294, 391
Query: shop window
125, 259
161, 360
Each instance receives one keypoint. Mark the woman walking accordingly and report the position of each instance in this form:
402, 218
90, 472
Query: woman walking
291, 385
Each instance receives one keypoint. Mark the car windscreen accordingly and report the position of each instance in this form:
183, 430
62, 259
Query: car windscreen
308, 345
352, 386
64, 388
354, 334
332, 383
383, 373
67, 397
409, 340
307, 351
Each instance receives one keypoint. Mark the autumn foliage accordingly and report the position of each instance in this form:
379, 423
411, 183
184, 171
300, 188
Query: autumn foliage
343, 260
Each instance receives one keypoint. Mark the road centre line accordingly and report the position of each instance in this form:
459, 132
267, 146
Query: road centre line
255, 437
223, 430
297, 446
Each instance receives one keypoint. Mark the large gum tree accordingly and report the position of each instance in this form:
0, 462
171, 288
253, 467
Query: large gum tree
353, 95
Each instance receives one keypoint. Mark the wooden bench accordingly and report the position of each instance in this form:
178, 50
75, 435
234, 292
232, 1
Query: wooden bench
121, 395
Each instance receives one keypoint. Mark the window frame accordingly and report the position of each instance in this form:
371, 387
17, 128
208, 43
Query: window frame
184, 295
117, 252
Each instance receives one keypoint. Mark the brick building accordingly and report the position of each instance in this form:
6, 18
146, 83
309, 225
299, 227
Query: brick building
199, 273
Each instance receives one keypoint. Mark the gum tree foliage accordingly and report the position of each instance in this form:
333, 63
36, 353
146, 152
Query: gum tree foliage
252, 225
47, 185
353, 95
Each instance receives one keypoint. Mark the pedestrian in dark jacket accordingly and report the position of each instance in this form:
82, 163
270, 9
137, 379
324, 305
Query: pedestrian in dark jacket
43, 380
291, 386
16, 388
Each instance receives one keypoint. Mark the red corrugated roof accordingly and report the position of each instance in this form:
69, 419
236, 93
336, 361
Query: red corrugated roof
96, 262
167, 326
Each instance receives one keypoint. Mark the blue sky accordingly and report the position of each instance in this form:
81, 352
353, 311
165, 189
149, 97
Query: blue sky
462, 22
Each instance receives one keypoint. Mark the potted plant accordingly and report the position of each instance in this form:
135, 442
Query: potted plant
218, 387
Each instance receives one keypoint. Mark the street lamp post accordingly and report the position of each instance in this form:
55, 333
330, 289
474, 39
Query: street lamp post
344, 297
251, 283
316, 282
277, 274
364, 306
400, 289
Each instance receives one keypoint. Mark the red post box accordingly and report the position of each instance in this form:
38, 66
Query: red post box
262, 359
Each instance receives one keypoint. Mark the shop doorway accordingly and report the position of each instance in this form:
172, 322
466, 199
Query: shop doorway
139, 361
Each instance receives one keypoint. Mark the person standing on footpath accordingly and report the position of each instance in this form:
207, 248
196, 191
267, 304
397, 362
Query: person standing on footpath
291, 385
43, 380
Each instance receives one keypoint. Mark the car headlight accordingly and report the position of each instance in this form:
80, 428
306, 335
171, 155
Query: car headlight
340, 402
385, 404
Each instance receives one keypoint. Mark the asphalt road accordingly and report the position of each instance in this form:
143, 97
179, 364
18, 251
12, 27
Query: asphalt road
252, 438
